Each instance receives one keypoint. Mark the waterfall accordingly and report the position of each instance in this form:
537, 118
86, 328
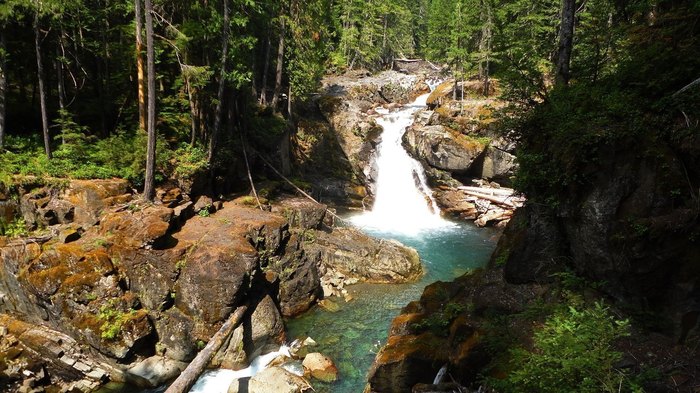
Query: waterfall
403, 201
218, 381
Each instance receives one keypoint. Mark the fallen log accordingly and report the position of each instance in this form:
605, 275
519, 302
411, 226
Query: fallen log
493, 199
487, 191
189, 376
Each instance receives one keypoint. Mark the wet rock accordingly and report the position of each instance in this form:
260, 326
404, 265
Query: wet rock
357, 135
452, 201
278, 380
329, 305
443, 148
320, 367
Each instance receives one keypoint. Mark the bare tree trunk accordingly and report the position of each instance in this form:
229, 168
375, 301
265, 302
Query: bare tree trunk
485, 45
566, 39
193, 112
60, 85
3, 88
278, 71
42, 90
213, 139
138, 11
266, 70
149, 182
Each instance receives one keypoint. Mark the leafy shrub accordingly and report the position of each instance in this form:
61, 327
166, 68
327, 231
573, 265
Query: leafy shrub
14, 228
189, 160
572, 352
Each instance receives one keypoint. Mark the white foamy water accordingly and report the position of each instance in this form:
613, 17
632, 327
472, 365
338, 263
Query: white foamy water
218, 381
404, 203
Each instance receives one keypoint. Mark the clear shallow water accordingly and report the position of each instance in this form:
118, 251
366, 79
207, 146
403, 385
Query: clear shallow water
353, 335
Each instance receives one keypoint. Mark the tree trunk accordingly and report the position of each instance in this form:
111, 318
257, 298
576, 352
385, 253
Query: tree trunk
266, 70
3, 88
149, 182
566, 39
42, 88
485, 45
278, 71
193, 112
213, 139
138, 11
60, 85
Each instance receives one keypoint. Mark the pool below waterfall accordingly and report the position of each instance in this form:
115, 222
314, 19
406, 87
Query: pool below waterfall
353, 335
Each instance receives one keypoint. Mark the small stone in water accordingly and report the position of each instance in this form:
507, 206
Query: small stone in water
329, 305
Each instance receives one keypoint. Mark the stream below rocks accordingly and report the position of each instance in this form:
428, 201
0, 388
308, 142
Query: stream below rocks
353, 335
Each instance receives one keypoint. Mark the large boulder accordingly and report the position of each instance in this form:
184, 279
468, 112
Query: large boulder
443, 148
357, 255
261, 331
297, 274
495, 164
220, 258
154, 371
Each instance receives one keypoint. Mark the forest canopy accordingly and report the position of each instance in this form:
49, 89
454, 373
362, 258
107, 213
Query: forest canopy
82, 80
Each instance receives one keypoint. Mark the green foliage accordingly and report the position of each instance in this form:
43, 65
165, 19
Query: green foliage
572, 352
372, 34
266, 129
188, 161
112, 321
15, 228
439, 322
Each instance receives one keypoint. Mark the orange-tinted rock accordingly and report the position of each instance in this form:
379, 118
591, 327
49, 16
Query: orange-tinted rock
320, 367
139, 228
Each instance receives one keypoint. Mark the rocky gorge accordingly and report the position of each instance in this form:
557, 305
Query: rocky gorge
117, 289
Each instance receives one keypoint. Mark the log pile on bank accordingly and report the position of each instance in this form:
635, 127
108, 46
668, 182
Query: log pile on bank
487, 204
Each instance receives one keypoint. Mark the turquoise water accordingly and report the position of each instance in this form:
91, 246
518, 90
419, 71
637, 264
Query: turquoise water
353, 335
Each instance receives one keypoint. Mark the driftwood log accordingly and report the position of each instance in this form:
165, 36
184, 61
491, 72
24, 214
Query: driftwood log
189, 376
503, 201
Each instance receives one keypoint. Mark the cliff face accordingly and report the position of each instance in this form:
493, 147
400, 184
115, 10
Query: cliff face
634, 227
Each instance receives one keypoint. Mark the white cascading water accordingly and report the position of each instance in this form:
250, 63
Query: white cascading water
403, 202
218, 381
